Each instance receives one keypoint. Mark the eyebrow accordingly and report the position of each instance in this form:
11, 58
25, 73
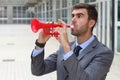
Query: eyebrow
78, 14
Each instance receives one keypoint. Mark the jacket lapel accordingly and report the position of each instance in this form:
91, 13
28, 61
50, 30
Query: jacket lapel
88, 49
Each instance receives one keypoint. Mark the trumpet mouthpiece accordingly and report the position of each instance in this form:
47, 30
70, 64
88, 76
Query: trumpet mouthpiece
71, 26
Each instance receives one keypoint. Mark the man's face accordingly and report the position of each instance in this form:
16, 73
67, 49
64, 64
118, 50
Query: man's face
80, 22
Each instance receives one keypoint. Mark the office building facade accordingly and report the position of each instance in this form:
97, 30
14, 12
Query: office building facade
22, 11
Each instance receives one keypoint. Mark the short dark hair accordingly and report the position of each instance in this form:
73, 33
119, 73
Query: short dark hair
92, 12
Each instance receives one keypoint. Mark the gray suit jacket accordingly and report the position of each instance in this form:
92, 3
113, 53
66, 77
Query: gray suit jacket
93, 63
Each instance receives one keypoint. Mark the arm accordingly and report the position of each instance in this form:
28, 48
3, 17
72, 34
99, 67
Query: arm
39, 66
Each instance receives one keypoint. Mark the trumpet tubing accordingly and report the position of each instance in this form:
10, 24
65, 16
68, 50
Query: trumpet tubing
47, 27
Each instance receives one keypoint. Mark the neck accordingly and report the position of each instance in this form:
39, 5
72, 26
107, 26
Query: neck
82, 38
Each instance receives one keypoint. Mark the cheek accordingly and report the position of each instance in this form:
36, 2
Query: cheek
80, 25
80, 22
83, 27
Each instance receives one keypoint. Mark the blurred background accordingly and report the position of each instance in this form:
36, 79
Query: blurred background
17, 39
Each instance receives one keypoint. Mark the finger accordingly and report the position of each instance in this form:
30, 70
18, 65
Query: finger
62, 23
57, 29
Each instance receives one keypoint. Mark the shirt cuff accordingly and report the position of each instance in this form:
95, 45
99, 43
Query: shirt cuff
36, 52
67, 55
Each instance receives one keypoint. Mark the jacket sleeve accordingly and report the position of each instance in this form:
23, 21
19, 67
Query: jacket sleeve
39, 66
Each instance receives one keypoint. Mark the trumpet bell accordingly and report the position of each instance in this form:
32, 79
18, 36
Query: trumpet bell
35, 25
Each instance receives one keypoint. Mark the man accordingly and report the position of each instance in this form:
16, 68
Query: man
92, 62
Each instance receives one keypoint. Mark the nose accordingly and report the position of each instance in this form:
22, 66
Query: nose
73, 19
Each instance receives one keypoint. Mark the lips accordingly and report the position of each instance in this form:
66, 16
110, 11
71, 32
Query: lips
72, 26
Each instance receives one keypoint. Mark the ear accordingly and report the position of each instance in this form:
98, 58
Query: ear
91, 23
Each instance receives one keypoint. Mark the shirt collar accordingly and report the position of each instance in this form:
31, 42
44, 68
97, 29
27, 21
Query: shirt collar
86, 43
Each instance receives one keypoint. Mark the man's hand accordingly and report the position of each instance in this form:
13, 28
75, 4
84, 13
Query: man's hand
42, 38
63, 37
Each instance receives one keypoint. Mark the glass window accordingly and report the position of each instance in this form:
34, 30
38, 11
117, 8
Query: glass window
20, 13
47, 11
93, 0
23, 12
64, 3
49, 7
3, 14
118, 10
118, 39
3, 11
57, 15
64, 15
14, 11
43, 12
51, 4
75, 1
64, 10
57, 4
87, 1
39, 12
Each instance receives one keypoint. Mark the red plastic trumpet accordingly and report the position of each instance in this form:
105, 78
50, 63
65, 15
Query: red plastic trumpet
47, 27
